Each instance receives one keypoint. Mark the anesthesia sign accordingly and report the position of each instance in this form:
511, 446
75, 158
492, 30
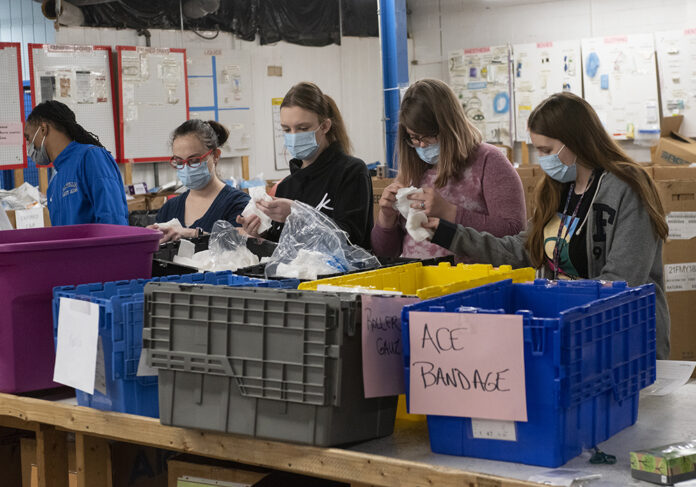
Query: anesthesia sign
467, 365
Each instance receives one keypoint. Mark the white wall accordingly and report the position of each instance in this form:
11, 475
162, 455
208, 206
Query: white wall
350, 73
479, 23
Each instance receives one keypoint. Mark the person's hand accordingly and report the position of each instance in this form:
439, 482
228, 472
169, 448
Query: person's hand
431, 224
278, 209
250, 224
388, 215
172, 234
433, 204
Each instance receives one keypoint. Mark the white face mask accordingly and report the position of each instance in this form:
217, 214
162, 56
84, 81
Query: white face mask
40, 156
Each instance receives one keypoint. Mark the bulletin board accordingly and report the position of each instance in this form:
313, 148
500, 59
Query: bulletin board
80, 77
481, 80
540, 70
676, 61
620, 82
13, 153
153, 101
219, 85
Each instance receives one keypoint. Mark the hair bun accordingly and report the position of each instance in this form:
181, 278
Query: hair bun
221, 132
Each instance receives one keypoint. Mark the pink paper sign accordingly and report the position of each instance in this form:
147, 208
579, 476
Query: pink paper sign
467, 365
11, 133
383, 365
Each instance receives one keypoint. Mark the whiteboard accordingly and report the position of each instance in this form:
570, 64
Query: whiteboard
219, 84
481, 80
539, 70
80, 77
153, 95
623, 88
13, 153
676, 60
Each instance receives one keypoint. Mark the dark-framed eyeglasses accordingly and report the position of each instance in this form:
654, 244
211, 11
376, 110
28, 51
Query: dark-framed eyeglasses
192, 162
417, 140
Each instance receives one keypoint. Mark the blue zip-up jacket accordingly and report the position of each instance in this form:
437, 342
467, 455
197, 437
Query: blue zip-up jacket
87, 187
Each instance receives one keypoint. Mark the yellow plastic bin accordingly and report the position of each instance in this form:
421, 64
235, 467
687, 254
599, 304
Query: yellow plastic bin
425, 282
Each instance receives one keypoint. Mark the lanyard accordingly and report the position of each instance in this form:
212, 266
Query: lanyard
557, 247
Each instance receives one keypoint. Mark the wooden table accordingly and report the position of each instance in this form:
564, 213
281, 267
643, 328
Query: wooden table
403, 459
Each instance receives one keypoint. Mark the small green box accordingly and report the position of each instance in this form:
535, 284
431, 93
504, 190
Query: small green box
665, 465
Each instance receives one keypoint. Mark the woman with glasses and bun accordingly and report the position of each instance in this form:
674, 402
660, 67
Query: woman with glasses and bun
87, 186
196, 152
322, 172
463, 179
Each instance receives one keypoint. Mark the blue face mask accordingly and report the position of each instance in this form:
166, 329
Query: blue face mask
39, 156
554, 167
194, 178
429, 154
301, 145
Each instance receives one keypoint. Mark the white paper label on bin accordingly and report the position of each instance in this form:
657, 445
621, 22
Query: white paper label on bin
100, 371
31, 218
682, 225
680, 277
490, 429
76, 346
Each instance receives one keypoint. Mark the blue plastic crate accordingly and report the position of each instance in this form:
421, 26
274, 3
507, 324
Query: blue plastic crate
588, 351
121, 329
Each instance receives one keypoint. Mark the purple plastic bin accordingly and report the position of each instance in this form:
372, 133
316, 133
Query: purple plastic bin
32, 263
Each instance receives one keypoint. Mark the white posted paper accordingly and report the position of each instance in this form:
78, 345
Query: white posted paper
671, 375
31, 218
76, 351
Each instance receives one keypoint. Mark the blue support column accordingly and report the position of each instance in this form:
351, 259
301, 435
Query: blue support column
393, 34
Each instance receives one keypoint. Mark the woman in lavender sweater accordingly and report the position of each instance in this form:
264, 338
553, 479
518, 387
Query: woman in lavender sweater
464, 180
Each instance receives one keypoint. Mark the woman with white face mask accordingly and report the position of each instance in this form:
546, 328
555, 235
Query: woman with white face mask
598, 213
462, 179
322, 173
87, 186
196, 152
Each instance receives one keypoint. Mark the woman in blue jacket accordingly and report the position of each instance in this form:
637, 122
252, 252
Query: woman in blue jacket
196, 151
87, 186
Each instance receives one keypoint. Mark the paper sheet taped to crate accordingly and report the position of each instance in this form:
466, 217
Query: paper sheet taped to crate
682, 225
680, 277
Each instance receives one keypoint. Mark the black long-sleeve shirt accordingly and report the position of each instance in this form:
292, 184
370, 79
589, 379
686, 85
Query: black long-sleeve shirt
337, 184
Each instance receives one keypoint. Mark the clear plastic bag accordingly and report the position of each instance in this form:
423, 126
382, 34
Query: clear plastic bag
227, 251
311, 245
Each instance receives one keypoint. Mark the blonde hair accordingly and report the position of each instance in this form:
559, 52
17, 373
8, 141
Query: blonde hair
431, 108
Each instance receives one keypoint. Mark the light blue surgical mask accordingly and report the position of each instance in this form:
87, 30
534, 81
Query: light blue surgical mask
39, 156
554, 167
194, 177
301, 145
430, 153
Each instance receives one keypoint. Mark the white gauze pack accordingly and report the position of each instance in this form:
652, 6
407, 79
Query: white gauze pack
258, 193
414, 217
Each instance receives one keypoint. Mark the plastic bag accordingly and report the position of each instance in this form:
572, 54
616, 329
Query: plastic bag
258, 193
311, 244
414, 217
227, 251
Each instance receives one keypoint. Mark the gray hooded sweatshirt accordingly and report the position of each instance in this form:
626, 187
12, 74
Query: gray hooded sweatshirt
621, 246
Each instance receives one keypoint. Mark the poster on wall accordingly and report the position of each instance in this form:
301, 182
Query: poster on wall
620, 82
539, 70
676, 60
13, 153
480, 78
282, 158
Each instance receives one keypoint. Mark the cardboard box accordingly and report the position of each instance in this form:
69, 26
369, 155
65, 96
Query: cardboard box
678, 254
665, 465
674, 148
378, 185
660, 173
188, 471
138, 203
12, 215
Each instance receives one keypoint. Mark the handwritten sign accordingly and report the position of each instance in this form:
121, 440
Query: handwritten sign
76, 346
11, 133
382, 351
31, 218
467, 365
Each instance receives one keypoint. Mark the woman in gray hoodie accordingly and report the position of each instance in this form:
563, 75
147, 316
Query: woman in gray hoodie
598, 214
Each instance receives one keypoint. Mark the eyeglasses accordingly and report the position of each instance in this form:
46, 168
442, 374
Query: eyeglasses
417, 140
195, 161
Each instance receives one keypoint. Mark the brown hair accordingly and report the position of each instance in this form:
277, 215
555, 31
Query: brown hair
430, 107
570, 119
308, 96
